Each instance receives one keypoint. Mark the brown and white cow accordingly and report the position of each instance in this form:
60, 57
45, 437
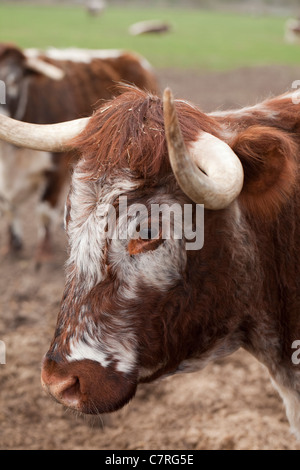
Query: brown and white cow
140, 308
44, 88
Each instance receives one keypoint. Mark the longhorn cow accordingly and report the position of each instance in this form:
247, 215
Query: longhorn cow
141, 307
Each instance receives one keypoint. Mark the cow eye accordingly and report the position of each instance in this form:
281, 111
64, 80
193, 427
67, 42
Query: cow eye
148, 234
142, 245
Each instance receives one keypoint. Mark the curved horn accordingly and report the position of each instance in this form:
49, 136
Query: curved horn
211, 173
47, 137
49, 70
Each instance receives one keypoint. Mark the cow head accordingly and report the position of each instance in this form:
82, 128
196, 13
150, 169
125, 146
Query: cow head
142, 306
16, 68
128, 310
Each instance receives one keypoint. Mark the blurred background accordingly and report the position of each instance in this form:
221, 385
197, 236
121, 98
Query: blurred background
219, 55
198, 35
204, 34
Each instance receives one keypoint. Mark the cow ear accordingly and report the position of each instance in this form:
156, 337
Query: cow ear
270, 169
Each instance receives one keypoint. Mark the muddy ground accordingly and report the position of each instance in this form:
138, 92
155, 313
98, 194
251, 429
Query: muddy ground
229, 405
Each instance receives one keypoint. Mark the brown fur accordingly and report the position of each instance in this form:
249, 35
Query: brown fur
240, 290
129, 133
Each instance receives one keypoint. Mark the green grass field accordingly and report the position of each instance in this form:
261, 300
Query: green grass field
199, 39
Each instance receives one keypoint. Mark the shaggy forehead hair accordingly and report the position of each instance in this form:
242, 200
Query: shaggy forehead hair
128, 132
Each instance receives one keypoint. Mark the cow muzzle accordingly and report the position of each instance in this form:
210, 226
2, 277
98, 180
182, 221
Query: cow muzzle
86, 386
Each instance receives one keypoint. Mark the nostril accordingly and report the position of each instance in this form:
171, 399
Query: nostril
71, 394
64, 389
86, 385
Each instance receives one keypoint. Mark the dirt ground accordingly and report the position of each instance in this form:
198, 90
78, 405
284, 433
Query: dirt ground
229, 405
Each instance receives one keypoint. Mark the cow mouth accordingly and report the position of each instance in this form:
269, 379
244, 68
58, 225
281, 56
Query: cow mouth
87, 387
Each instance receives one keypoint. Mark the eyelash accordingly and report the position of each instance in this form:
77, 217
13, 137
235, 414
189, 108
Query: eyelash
138, 245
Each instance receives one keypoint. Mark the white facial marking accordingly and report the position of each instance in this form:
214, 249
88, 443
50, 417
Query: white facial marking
85, 230
86, 349
100, 346
160, 269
